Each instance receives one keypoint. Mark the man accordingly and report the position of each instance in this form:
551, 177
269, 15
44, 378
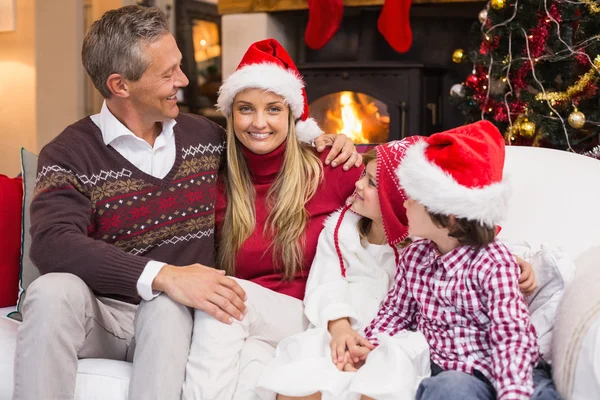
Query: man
123, 209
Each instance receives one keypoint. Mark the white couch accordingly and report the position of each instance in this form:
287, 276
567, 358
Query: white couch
556, 200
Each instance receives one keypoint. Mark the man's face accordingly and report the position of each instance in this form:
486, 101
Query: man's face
154, 96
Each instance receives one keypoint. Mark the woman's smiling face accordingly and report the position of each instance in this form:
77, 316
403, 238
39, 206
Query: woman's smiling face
260, 120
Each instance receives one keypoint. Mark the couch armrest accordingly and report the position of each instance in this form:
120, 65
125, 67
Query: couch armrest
578, 313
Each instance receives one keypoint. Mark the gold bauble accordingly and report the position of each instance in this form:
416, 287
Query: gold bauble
498, 5
459, 56
577, 119
527, 128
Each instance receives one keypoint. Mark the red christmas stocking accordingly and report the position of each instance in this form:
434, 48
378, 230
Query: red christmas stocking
394, 24
324, 18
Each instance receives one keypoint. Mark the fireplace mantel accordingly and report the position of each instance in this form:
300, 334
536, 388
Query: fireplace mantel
250, 6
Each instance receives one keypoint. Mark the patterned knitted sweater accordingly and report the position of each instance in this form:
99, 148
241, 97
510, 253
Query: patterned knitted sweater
94, 214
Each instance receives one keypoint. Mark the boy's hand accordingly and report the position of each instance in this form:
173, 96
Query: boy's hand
342, 150
345, 340
527, 282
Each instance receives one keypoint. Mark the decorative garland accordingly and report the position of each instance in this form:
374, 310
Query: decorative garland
579, 87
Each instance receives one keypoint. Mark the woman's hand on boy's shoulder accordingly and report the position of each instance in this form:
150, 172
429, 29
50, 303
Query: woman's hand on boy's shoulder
527, 282
343, 150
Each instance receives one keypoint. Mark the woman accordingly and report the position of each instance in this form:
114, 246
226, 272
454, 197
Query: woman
272, 202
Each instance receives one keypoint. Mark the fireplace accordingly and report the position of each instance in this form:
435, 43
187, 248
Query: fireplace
375, 103
387, 95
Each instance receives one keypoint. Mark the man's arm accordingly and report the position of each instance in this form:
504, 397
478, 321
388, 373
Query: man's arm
61, 219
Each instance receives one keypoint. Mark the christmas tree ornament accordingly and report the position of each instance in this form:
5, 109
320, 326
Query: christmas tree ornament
394, 24
457, 90
324, 19
577, 119
483, 14
498, 5
459, 56
527, 128
472, 81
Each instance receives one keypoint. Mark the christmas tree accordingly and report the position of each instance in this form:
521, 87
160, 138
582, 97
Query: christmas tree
536, 65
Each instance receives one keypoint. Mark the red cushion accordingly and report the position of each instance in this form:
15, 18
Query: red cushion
11, 202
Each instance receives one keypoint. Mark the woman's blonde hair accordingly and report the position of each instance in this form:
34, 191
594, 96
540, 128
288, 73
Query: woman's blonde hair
294, 186
364, 224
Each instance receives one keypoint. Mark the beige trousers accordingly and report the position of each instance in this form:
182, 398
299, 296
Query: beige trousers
63, 321
220, 366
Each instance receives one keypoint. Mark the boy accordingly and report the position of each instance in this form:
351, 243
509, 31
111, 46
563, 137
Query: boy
459, 285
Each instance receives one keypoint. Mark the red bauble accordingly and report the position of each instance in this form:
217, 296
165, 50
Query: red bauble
472, 81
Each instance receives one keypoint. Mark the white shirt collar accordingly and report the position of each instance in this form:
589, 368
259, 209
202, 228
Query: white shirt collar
112, 128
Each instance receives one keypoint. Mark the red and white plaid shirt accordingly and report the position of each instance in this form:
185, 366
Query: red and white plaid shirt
468, 305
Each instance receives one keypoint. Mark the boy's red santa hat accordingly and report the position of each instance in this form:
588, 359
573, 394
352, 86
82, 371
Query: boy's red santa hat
266, 65
459, 172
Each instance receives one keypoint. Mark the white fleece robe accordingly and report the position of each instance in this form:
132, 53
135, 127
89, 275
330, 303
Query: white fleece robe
303, 365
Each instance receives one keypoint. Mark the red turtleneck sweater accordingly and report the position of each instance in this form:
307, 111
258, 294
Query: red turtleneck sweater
255, 258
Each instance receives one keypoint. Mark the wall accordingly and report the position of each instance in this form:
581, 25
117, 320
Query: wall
60, 75
17, 89
241, 30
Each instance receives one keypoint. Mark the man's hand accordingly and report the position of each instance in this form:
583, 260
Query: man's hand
344, 340
203, 288
527, 282
342, 150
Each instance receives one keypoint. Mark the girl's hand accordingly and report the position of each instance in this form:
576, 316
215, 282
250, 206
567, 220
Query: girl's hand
345, 339
527, 282
350, 366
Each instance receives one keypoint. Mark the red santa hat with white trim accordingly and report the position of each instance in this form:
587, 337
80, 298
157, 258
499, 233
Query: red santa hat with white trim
266, 65
459, 172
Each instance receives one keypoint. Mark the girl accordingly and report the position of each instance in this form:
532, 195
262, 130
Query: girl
352, 271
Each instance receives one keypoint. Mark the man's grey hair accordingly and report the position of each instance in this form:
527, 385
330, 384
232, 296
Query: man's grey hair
115, 44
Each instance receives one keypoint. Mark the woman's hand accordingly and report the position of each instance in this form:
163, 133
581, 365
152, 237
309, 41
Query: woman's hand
346, 344
342, 150
527, 282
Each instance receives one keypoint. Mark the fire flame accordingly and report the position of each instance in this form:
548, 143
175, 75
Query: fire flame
351, 125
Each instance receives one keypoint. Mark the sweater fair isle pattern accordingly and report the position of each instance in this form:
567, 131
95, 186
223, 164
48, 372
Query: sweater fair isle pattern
96, 215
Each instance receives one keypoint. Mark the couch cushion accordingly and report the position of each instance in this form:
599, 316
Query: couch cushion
553, 269
29, 272
96, 378
11, 194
